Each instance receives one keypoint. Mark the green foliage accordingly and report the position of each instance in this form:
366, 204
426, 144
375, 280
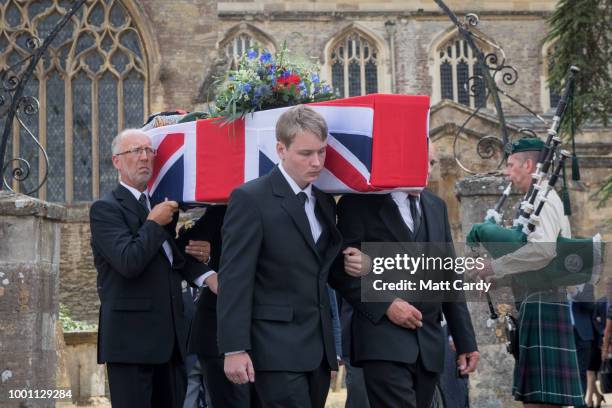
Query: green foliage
266, 81
580, 32
605, 192
70, 325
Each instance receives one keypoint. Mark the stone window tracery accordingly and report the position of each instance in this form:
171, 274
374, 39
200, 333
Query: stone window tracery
354, 66
91, 83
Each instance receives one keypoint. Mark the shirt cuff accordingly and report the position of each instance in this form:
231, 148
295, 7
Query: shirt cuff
230, 353
200, 281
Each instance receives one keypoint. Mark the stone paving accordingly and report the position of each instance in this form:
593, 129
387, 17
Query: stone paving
334, 400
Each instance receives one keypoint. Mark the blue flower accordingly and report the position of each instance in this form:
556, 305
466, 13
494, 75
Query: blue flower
315, 79
246, 88
326, 89
251, 54
265, 57
259, 91
232, 78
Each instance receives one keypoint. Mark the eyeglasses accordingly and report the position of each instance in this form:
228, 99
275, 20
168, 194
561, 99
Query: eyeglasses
137, 151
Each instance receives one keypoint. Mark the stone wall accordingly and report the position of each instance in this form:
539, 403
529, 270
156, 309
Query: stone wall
180, 58
29, 289
77, 272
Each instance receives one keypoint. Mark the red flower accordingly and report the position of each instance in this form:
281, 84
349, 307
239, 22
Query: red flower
292, 79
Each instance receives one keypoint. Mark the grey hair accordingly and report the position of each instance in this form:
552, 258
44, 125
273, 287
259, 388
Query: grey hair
532, 155
121, 135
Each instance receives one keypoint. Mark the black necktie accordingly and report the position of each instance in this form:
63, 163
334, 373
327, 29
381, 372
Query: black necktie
195, 294
414, 212
143, 201
302, 197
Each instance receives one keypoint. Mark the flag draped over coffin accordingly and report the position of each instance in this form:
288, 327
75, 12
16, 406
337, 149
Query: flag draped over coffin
375, 143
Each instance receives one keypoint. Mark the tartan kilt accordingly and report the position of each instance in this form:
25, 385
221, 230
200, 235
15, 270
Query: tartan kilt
547, 368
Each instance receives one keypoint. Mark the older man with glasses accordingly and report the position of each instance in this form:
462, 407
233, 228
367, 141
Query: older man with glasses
142, 333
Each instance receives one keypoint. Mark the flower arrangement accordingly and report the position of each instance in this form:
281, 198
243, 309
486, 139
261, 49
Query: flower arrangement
265, 81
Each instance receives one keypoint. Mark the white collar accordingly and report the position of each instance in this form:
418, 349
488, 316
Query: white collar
134, 191
294, 186
400, 197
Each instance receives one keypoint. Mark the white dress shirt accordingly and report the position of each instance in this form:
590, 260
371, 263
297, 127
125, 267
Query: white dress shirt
137, 194
166, 245
309, 206
403, 204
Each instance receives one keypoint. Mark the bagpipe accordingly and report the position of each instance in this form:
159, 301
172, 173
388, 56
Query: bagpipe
577, 260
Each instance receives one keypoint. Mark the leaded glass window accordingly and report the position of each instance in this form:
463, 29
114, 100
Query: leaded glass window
238, 43
28, 150
553, 96
457, 64
237, 46
91, 83
354, 66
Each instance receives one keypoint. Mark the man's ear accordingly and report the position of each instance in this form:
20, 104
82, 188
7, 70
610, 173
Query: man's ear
116, 162
531, 165
280, 150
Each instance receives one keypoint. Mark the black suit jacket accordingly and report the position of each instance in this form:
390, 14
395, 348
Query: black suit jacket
376, 218
273, 298
203, 338
141, 308
583, 309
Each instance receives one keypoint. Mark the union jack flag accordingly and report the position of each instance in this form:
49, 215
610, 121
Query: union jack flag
375, 143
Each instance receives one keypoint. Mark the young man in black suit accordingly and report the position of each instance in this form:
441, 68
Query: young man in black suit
142, 333
401, 347
279, 241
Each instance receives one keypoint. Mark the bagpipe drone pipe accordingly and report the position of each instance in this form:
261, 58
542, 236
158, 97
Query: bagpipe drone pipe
577, 260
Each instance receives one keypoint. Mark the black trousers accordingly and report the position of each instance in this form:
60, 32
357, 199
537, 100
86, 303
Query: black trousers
583, 352
282, 389
148, 385
398, 385
223, 393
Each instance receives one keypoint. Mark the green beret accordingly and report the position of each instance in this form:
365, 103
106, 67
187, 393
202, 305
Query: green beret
527, 144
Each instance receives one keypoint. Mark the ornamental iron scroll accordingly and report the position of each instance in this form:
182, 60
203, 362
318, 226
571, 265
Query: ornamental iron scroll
491, 68
15, 105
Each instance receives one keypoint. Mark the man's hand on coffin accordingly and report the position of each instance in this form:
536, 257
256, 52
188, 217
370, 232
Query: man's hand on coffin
200, 250
163, 212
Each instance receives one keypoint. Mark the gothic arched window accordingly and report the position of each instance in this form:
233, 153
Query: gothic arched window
456, 64
242, 38
237, 47
553, 96
91, 83
354, 65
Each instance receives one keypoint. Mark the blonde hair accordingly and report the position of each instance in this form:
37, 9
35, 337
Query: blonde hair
298, 119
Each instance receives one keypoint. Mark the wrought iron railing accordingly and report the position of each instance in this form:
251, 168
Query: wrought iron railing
492, 66
13, 104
